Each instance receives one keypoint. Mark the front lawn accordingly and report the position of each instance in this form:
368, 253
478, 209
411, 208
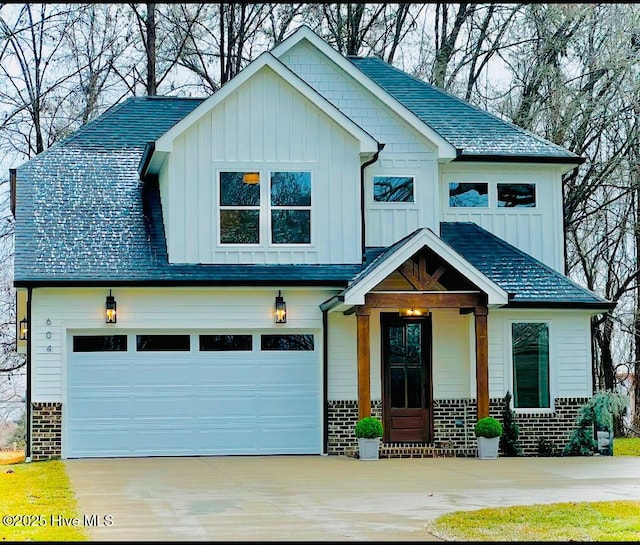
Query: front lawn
37, 503
626, 446
585, 521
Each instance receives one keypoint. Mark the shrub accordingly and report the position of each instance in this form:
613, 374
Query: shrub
369, 428
600, 412
509, 439
545, 448
488, 427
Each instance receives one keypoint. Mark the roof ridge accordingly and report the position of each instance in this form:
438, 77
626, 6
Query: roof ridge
458, 99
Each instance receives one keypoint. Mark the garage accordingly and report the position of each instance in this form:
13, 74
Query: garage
178, 394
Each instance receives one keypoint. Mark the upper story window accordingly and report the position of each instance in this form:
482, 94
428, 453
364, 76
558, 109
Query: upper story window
530, 353
290, 207
240, 207
251, 213
482, 195
393, 189
469, 194
511, 195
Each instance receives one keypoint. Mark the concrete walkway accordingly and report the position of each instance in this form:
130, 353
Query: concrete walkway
320, 498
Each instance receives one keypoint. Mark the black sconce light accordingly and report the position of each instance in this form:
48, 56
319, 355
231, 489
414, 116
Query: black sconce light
24, 329
110, 308
281, 309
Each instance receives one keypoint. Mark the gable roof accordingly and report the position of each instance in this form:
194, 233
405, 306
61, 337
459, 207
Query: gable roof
394, 256
477, 134
83, 217
368, 144
445, 149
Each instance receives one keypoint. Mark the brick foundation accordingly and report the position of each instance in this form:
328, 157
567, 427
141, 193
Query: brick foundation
46, 431
343, 417
454, 420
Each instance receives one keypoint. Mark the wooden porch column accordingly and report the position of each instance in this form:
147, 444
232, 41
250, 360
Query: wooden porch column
482, 361
364, 362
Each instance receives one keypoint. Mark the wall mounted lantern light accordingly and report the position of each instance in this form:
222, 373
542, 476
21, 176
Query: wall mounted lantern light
111, 314
281, 309
24, 329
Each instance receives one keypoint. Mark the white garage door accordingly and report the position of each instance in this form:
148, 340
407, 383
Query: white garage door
138, 394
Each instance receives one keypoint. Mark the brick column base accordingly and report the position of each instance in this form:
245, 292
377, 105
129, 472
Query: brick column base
46, 431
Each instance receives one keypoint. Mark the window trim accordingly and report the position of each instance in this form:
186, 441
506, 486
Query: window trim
511, 371
392, 204
271, 207
512, 208
265, 239
490, 196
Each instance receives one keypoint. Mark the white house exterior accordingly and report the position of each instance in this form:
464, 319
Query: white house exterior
416, 241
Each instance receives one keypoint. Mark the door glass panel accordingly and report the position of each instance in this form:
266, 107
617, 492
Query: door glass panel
414, 387
414, 340
396, 344
397, 387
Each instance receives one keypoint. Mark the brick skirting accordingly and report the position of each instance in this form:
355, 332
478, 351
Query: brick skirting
46, 431
342, 419
454, 421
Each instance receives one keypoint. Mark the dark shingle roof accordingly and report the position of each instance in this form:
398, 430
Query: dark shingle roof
524, 277
471, 130
80, 204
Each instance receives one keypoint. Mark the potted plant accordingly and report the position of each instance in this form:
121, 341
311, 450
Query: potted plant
369, 432
488, 432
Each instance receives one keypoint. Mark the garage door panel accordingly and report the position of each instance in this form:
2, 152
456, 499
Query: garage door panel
88, 374
193, 403
275, 406
168, 407
240, 406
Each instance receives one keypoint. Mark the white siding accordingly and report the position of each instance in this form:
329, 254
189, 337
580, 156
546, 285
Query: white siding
570, 350
55, 310
537, 231
342, 374
451, 354
405, 153
265, 125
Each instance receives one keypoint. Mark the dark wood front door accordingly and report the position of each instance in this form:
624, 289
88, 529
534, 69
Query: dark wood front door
407, 397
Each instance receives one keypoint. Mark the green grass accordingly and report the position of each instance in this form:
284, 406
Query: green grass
586, 521
38, 493
626, 446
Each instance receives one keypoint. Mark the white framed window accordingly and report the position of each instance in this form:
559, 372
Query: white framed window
531, 365
239, 202
290, 207
468, 195
515, 195
252, 212
393, 189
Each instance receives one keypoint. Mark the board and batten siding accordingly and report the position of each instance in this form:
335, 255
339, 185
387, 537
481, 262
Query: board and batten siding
405, 153
265, 125
55, 311
537, 231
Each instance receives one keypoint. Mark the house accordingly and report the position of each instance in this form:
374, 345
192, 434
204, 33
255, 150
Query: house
322, 239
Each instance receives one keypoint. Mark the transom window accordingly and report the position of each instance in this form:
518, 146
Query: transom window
513, 195
530, 350
478, 195
469, 194
393, 189
251, 213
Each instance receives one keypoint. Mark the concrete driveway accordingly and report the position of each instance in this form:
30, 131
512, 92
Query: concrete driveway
324, 498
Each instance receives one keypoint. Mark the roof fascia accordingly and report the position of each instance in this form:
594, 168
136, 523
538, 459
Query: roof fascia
446, 151
368, 144
355, 294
